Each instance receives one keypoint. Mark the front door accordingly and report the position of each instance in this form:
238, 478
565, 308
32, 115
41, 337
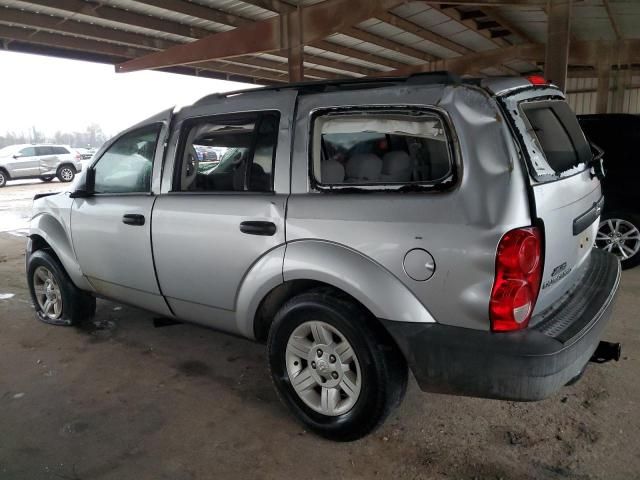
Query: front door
216, 220
25, 163
111, 229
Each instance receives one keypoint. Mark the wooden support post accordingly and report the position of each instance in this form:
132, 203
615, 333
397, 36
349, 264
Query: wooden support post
558, 40
295, 48
622, 81
604, 78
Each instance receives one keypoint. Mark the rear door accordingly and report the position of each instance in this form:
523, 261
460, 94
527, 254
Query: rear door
212, 223
566, 195
47, 160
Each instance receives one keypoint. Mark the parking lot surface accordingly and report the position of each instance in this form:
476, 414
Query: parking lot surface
117, 398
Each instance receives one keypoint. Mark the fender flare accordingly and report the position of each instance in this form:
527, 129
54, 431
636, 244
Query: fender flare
52, 231
381, 292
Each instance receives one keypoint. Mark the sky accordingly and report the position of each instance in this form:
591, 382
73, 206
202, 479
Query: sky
67, 95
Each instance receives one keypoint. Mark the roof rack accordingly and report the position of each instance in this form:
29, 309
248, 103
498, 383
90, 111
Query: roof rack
424, 78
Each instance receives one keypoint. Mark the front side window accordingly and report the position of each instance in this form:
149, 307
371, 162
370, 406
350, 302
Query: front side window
28, 152
228, 153
381, 148
127, 164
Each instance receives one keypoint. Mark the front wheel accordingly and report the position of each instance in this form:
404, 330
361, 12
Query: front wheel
619, 233
334, 366
66, 173
56, 299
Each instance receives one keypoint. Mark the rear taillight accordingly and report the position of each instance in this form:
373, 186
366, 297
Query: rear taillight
78, 157
517, 282
537, 80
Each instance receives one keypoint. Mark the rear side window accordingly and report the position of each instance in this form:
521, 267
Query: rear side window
59, 150
559, 137
380, 147
228, 153
44, 151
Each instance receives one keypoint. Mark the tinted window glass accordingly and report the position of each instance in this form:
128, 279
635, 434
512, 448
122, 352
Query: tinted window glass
228, 153
126, 166
556, 128
59, 150
28, 152
44, 151
381, 148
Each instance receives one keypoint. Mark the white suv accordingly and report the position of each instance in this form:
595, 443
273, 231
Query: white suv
39, 161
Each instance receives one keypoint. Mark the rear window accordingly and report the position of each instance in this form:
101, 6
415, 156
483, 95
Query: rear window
556, 131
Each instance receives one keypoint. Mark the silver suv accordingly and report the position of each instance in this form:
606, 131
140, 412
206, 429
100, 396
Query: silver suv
361, 229
39, 161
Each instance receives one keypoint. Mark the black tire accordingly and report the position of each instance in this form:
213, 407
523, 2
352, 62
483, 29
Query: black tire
382, 366
47, 179
77, 305
630, 218
3, 177
66, 173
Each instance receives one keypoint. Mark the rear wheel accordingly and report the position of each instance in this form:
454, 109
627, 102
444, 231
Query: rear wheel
56, 299
334, 366
619, 233
3, 178
66, 173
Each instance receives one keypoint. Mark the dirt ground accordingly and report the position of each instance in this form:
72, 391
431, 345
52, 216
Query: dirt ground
120, 399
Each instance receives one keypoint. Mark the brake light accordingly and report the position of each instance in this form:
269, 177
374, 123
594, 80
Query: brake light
78, 156
517, 281
537, 80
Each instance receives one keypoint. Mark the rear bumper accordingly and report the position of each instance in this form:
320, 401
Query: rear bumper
528, 365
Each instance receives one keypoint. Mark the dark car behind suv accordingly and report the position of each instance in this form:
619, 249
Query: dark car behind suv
619, 136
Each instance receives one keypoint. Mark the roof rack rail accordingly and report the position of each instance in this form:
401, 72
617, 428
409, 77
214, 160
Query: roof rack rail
424, 78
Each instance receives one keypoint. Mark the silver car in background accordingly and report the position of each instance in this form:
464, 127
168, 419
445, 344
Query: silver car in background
362, 229
45, 162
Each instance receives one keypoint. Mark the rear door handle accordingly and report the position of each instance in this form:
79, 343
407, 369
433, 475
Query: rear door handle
258, 228
133, 219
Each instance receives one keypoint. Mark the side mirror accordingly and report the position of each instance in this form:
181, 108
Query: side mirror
87, 189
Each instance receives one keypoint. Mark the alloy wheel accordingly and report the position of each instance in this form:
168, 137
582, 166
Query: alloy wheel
66, 174
323, 368
47, 293
618, 236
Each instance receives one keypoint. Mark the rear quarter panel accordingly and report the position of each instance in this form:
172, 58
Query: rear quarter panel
461, 227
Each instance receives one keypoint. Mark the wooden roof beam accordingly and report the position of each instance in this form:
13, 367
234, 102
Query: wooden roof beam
316, 22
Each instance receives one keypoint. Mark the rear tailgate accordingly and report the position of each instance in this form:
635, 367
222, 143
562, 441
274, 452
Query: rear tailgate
566, 197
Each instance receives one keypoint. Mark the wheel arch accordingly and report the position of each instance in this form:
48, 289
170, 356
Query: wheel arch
310, 264
48, 233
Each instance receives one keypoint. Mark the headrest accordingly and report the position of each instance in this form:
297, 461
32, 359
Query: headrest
364, 167
396, 161
331, 171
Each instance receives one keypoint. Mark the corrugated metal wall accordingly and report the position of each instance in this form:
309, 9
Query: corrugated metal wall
582, 96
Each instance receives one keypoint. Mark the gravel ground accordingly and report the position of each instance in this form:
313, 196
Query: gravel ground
119, 399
